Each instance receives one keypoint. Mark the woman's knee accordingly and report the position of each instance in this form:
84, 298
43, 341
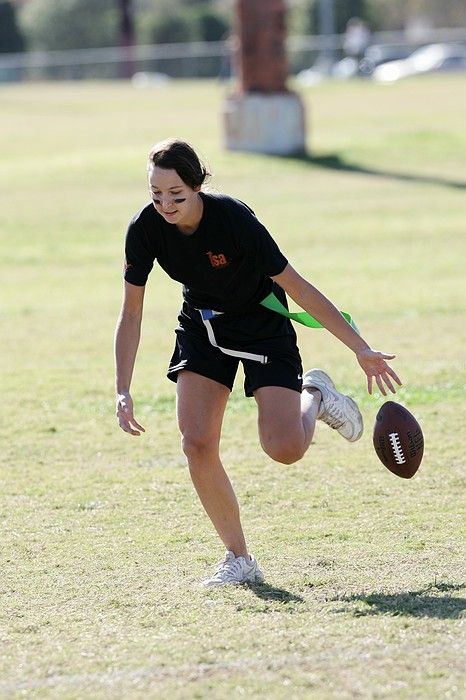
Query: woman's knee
198, 447
283, 450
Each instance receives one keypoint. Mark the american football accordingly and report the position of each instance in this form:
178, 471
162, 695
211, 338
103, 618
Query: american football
398, 440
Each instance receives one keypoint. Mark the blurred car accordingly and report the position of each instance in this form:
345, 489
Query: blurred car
428, 59
350, 67
374, 55
377, 54
346, 68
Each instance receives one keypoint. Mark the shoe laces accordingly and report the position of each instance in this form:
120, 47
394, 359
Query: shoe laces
229, 569
333, 415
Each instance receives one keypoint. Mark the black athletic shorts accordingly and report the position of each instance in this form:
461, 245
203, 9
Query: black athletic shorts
260, 332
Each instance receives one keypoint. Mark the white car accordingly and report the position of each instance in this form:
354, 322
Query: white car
428, 59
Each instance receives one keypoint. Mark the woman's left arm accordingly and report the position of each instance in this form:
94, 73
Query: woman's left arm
315, 303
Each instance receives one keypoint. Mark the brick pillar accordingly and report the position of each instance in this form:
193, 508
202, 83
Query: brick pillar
261, 57
262, 115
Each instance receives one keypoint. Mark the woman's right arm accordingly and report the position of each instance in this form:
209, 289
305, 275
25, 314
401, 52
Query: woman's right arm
127, 334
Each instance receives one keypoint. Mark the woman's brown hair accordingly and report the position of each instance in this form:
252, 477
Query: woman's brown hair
173, 154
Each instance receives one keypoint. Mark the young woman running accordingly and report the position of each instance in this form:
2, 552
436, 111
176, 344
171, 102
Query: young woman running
228, 263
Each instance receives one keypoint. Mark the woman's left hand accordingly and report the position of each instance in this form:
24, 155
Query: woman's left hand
375, 366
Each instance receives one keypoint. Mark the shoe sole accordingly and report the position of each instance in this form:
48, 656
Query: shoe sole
321, 376
257, 578
355, 408
207, 584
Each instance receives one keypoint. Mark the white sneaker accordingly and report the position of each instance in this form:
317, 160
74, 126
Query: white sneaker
235, 570
337, 410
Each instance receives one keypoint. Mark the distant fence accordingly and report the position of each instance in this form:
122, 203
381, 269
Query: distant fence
187, 60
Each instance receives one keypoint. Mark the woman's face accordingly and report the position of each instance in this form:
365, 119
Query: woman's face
172, 198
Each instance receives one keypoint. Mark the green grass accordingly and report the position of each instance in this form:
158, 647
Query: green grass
103, 540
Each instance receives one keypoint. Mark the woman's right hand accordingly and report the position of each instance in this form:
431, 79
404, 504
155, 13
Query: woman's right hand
124, 412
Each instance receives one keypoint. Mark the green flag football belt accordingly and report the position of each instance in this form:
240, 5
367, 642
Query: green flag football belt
273, 304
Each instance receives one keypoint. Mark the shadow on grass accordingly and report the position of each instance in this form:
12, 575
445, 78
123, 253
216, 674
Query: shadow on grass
267, 592
411, 603
336, 162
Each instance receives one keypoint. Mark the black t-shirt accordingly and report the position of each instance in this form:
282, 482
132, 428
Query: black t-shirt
226, 264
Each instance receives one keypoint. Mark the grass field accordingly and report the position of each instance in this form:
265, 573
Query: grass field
103, 540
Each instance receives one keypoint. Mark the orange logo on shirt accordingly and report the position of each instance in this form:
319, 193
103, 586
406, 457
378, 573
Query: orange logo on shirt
217, 259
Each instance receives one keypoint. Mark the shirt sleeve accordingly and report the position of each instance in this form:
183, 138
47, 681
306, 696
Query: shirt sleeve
139, 254
266, 255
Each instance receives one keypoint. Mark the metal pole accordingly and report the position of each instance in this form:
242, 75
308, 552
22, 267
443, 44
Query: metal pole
126, 37
327, 29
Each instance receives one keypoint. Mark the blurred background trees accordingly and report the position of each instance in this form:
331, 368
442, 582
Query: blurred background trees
399, 14
73, 24
165, 21
303, 15
11, 36
380, 15
70, 24
65, 24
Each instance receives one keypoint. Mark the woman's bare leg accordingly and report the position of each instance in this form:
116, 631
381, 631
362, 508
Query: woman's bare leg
201, 405
287, 421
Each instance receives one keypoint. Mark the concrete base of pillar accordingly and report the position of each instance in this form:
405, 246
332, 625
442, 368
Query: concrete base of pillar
261, 123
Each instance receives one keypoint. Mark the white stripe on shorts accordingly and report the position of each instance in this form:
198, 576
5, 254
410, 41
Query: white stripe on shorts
207, 315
